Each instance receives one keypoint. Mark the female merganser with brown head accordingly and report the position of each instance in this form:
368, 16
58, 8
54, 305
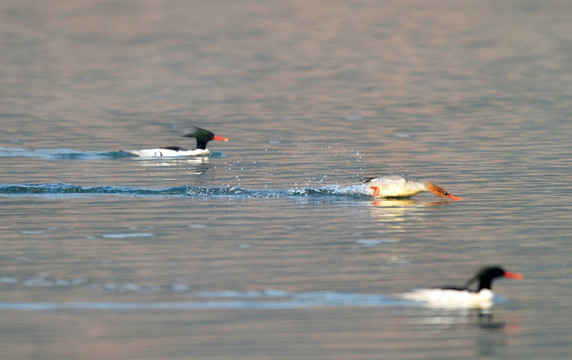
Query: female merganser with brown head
452, 296
203, 137
404, 186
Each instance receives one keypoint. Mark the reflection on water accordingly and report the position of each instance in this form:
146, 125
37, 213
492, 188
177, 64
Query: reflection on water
397, 214
490, 337
194, 165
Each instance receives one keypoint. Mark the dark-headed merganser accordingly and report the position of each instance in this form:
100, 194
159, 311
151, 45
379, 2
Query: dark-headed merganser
451, 296
203, 137
404, 186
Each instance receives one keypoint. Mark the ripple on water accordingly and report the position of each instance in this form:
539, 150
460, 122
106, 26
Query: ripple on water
127, 235
371, 242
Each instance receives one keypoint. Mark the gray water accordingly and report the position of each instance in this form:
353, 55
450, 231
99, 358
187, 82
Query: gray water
260, 251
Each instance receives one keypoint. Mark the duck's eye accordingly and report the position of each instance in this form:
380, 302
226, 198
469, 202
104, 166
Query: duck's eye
445, 193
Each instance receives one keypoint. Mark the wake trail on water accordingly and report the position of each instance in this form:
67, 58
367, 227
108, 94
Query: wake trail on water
70, 154
55, 189
58, 189
229, 299
288, 301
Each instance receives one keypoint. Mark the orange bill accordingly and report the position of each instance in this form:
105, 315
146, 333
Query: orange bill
512, 275
216, 137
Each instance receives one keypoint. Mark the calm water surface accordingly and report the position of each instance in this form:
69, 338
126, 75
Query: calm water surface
260, 251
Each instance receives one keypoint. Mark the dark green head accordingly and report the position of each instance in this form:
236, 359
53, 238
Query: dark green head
203, 136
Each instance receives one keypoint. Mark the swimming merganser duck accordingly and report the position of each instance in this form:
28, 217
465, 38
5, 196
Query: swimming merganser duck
203, 137
404, 186
451, 296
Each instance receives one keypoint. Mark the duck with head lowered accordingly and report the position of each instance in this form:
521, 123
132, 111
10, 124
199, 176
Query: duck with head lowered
404, 186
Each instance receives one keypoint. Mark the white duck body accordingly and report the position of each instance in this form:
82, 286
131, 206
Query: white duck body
169, 152
463, 297
397, 185
451, 298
